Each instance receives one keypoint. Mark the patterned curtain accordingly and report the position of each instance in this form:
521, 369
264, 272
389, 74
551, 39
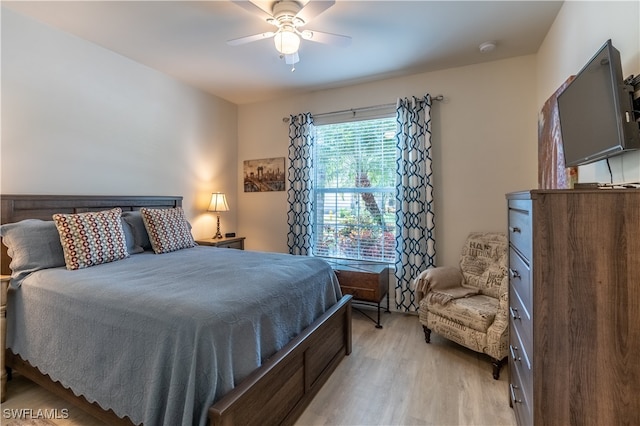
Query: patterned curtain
300, 175
415, 240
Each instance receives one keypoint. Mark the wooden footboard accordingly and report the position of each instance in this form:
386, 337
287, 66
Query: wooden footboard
282, 388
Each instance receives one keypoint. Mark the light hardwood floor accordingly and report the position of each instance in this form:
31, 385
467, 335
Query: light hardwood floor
392, 377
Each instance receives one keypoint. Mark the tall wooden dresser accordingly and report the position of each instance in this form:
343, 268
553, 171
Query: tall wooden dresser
574, 299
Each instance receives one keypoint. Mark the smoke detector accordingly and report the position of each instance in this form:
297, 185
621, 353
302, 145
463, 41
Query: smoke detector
487, 46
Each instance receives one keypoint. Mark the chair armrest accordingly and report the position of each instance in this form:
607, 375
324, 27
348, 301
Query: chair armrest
498, 331
445, 277
435, 278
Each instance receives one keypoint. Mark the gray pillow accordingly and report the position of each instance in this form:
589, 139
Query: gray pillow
32, 244
140, 235
132, 247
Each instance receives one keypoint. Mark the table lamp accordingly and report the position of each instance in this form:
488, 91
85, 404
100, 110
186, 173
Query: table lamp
218, 204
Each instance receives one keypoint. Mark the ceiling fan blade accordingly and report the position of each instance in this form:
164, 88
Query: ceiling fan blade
326, 38
314, 8
251, 38
253, 8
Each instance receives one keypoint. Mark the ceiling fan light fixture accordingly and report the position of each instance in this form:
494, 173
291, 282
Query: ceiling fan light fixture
291, 59
287, 41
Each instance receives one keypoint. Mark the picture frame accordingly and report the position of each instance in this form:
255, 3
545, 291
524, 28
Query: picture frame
264, 175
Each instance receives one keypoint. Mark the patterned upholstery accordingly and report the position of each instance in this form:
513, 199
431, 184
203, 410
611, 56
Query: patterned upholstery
478, 322
91, 238
477, 313
168, 229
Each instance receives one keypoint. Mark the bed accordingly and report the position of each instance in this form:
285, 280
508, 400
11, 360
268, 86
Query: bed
156, 348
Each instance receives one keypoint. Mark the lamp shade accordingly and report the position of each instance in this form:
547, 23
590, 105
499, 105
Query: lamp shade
287, 42
218, 203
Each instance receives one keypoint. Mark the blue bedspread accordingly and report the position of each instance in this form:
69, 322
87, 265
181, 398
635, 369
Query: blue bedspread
159, 338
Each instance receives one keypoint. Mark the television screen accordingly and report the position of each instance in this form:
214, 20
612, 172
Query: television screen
596, 113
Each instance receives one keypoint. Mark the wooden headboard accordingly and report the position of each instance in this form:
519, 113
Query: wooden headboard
19, 207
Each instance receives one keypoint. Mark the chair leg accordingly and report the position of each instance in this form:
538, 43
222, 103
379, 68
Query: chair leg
497, 365
427, 334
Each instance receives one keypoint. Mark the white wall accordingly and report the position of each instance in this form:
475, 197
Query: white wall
579, 30
80, 119
77, 118
484, 145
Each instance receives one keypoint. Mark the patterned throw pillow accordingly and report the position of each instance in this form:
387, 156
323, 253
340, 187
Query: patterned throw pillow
168, 229
91, 238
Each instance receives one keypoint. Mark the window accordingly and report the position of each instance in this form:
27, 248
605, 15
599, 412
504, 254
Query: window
354, 196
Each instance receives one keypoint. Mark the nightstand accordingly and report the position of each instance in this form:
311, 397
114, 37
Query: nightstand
4, 282
367, 282
232, 242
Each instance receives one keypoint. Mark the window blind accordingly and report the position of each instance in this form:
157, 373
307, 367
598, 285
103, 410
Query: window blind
354, 195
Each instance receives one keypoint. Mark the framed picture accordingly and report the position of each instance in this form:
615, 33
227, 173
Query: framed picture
552, 173
263, 175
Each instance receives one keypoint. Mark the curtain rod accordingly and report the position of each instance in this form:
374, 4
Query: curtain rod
354, 110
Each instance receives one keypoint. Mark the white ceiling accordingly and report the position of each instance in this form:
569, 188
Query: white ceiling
187, 39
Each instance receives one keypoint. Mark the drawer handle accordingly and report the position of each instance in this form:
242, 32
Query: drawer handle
513, 350
514, 273
513, 388
514, 229
514, 313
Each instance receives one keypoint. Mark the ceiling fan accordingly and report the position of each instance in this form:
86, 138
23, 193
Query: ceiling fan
288, 16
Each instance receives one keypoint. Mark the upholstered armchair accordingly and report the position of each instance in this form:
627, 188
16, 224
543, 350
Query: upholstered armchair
469, 304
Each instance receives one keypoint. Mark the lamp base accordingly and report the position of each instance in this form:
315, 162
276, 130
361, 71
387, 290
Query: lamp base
218, 234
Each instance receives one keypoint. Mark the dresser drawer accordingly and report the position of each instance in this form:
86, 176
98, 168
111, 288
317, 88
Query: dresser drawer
520, 233
521, 386
520, 354
520, 318
520, 279
521, 400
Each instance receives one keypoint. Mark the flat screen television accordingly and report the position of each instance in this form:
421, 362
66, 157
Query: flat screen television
596, 111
